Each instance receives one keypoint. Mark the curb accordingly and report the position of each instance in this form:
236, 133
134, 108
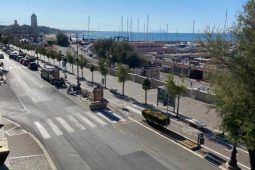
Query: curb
48, 158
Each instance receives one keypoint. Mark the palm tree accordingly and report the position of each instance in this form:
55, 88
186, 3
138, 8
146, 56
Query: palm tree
103, 63
59, 57
92, 69
174, 91
83, 63
122, 74
146, 86
70, 59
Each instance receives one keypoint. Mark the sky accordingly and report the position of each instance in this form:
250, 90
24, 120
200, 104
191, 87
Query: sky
105, 15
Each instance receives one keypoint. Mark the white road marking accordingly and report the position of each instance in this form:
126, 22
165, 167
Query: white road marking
24, 66
42, 130
105, 117
65, 124
138, 107
113, 102
19, 66
88, 122
54, 127
120, 118
91, 115
134, 110
76, 122
10, 68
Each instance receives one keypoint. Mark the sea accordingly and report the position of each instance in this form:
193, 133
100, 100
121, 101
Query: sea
135, 36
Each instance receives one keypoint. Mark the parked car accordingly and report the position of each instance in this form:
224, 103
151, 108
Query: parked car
25, 62
21, 60
1, 56
33, 66
19, 57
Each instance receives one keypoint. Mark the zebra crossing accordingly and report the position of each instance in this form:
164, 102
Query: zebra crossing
135, 108
71, 123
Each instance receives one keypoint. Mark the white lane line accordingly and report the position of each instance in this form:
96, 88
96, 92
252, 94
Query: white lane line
138, 107
76, 122
88, 122
65, 124
42, 130
24, 66
134, 110
54, 127
91, 115
105, 117
113, 102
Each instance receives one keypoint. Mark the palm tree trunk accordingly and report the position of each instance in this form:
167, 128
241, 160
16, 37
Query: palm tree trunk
92, 77
178, 105
123, 86
82, 72
167, 105
59, 64
72, 68
105, 81
145, 97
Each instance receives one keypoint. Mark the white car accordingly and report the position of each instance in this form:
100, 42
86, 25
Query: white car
196, 123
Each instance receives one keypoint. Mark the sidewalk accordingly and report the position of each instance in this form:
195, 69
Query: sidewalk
26, 152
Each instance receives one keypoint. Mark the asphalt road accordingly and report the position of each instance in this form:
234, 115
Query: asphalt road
189, 107
77, 138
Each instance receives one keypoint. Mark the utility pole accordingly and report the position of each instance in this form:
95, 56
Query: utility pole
77, 59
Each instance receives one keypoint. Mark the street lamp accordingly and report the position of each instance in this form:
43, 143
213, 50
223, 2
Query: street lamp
77, 59
232, 163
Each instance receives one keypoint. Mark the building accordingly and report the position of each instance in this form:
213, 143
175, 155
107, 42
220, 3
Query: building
34, 21
15, 23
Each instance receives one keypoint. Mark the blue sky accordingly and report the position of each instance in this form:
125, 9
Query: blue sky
73, 14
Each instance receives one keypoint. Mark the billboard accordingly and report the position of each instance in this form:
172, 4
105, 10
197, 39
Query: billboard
164, 98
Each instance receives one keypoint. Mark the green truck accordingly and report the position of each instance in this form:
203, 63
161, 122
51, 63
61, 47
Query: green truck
156, 117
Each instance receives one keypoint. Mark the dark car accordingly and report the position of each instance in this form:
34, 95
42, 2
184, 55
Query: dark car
1, 56
21, 60
25, 62
33, 66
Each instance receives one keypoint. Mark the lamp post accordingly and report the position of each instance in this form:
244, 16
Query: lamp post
232, 163
77, 59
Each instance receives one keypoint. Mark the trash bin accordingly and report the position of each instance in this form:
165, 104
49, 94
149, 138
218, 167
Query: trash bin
200, 139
